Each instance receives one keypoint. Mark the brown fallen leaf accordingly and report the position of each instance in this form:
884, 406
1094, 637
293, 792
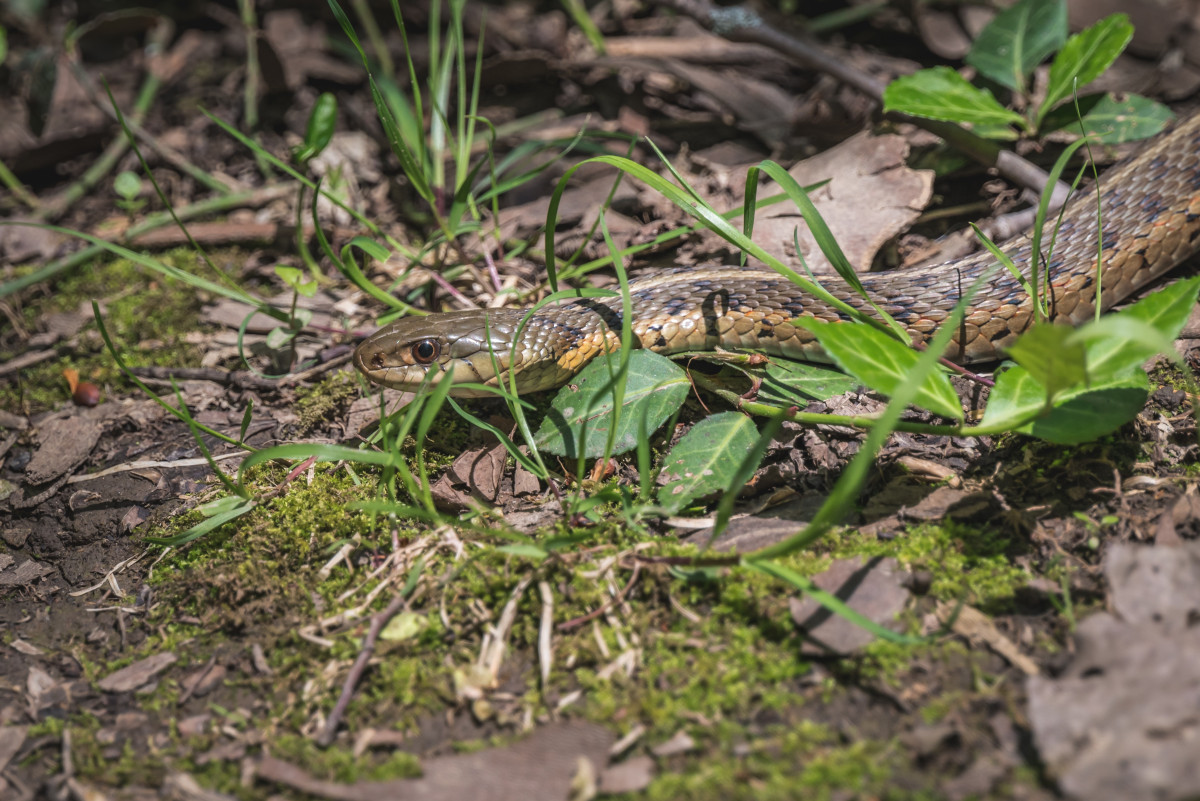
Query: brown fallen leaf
630, 776
1120, 721
875, 589
540, 767
63, 444
11, 740
871, 197
481, 470
131, 677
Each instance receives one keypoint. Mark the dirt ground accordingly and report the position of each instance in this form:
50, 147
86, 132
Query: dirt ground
514, 639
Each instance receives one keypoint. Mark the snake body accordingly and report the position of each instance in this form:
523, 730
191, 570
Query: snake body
1150, 212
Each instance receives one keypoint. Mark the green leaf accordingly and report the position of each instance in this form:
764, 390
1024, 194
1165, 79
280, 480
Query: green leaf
1136, 117
582, 411
786, 380
321, 123
1079, 415
1112, 349
1016, 396
127, 185
404, 626
1050, 357
941, 93
1018, 39
288, 275
1091, 413
883, 364
706, 459
1084, 57
278, 338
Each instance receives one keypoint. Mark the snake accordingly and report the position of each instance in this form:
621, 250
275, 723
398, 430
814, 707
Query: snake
1147, 222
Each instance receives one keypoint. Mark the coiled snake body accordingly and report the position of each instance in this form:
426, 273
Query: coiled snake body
1151, 223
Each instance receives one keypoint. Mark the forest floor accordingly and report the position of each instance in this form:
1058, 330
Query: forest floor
517, 639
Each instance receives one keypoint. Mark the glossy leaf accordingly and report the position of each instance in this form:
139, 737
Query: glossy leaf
941, 93
1079, 415
1084, 57
706, 459
791, 383
1018, 39
1051, 358
582, 411
1113, 122
883, 364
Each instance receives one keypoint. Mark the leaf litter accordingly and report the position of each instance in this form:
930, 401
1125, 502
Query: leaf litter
1051, 504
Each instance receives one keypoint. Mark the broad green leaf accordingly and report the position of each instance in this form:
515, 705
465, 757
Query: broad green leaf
127, 185
404, 626
706, 459
941, 93
1091, 413
1068, 114
1113, 350
1018, 39
288, 275
1016, 396
883, 364
1079, 415
791, 383
1084, 57
277, 338
1050, 357
1129, 120
582, 411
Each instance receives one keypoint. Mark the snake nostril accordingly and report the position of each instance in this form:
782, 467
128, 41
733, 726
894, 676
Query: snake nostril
377, 361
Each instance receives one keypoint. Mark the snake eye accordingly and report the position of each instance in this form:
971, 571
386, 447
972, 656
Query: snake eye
425, 351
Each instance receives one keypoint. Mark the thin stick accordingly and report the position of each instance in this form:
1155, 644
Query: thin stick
329, 732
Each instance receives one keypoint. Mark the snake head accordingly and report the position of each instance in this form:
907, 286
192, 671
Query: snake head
462, 347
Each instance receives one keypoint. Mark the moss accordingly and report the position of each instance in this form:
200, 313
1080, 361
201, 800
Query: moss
147, 316
335, 764
969, 563
803, 761
325, 401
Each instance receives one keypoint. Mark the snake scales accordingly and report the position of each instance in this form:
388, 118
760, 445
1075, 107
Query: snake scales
1151, 223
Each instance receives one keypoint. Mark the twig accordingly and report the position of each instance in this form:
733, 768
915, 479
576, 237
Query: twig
545, 631
567, 625
243, 379
327, 735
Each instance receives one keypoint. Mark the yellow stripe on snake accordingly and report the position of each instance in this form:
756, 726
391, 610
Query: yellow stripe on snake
1151, 223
